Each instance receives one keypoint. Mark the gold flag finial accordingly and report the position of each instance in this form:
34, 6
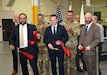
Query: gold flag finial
70, 6
58, 3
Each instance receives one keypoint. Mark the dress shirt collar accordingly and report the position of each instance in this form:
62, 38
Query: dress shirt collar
54, 26
89, 25
23, 25
16, 23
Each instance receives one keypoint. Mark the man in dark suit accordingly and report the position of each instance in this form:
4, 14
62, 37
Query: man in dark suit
89, 39
53, 33
20, 35
14, 54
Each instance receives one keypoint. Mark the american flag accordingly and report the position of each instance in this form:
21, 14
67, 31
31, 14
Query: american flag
58, 14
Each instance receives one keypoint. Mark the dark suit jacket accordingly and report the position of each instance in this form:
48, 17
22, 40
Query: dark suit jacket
10, 28
91, 38
14, 37
60, 35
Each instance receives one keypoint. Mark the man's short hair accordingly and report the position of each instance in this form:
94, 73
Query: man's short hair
53, 15
71, 12
40, 15
23, 14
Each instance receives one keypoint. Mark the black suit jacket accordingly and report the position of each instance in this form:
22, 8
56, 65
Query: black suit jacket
60, 35
14, 37
10, 28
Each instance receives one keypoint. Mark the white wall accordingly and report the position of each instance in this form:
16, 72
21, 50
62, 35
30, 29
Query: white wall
19, 6
48, 7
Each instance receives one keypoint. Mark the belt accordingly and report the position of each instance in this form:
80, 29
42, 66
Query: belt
23, 48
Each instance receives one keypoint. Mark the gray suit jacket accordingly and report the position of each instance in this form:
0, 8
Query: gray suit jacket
91, 38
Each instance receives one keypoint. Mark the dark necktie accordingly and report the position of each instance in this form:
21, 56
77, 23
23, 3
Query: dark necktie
54, 30
86, 30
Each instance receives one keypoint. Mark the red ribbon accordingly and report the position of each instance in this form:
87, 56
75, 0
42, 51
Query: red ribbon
82, 49
29, 56
35, 38
66, 50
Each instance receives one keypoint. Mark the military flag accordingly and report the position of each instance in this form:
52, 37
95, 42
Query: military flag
58, 13
82, 18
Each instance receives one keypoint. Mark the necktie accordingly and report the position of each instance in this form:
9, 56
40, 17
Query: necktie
86, 30
22, 36
54, 30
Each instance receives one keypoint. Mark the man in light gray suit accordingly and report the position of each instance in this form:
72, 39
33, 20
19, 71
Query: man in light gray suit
89, 39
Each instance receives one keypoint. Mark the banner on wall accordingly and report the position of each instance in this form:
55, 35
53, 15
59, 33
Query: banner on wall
35, 10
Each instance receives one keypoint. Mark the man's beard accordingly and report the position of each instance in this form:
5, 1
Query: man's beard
22, 23
88, 22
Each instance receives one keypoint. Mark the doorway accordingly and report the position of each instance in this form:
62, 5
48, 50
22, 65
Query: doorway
6, 18
7, 25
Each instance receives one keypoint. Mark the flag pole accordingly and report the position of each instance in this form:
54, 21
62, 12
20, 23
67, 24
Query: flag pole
58, 12
18, 59
97, 61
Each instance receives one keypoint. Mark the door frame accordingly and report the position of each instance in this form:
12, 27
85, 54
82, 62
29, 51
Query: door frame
5, 15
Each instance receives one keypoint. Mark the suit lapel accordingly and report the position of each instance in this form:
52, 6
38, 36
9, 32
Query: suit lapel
17, 32
90, 29
50, 30
28, 29
57, 29
83, 30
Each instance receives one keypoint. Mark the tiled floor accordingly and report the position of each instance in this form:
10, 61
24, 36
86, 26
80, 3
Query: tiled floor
6, 62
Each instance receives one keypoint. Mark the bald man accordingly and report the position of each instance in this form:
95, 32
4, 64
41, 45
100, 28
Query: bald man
89, 39
95, 21
77, 18
16, 19
14, 53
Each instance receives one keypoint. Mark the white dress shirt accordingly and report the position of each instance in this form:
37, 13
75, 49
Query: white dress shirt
89, 25
52, 28
25, 36
16, 23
